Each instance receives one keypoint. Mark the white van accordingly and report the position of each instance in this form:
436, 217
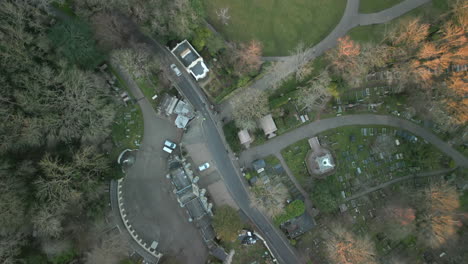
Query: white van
168, 150
176, 70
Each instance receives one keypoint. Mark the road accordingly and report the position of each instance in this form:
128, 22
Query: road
314, 128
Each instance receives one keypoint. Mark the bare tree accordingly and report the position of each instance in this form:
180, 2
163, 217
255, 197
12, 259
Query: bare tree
249, 107
439, 222
10, 247
300, 57
110, 30
316, 94
138, 60
344, 247
247, 57
271, 199
47, 220
223, 15
111, 249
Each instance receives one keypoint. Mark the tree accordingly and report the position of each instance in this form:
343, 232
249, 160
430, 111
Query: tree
247, 57
249, 107
223, 15
111, 31
271, 199
300, 56
346, 58
346, 248
74, 40
316, 94
111, 249
200, 38
227, 223
410, 33
138, 61
439, 223
47, 220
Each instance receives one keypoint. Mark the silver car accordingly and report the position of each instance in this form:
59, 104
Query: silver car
176, 70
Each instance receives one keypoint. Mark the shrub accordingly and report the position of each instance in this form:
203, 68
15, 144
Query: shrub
293, 209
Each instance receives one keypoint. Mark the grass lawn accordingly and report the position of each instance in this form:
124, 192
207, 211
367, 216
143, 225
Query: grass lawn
278, 25
371, 6
295, 155
128, 128
256, 253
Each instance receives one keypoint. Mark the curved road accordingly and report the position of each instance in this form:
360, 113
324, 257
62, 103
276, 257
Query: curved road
314, 128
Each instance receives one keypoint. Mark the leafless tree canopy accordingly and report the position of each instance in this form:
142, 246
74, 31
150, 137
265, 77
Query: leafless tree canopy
270, 199
249, 107
344, 247
316, 94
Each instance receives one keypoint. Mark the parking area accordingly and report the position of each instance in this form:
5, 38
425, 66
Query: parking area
149, 201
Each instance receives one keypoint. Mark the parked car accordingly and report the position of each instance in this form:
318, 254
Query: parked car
168, 150
204, 166
170, 144
176, 70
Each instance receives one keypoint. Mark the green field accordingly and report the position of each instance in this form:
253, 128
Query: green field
278, 25
371, 6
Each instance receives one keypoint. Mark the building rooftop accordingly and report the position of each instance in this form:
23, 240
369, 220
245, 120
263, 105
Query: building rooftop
299, 225
268, 125
325, 162
244, 136
190, 58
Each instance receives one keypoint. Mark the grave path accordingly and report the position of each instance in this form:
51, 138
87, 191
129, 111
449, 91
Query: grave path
386, 184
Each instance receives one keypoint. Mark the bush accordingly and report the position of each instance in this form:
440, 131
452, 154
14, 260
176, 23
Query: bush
230, 132
293, 209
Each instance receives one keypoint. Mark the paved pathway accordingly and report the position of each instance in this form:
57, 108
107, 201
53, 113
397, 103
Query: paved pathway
307, 201
276, 144
386, 184
351, 18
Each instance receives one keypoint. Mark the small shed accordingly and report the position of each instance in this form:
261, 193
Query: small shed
268, 125
244, 137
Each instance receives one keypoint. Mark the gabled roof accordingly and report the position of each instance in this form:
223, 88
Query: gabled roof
268, 124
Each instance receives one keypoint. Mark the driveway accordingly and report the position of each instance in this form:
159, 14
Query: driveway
150, 204
280, 142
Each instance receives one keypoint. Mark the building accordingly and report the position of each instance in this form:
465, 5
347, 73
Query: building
190, 58
320, 160
192, 198
184, 112
268, 125
244, 137
298, 226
